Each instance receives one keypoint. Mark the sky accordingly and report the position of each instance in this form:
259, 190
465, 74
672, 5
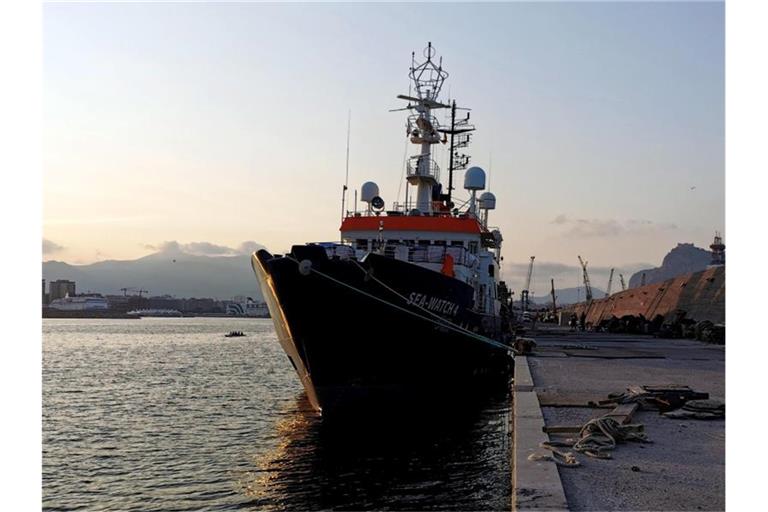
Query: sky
601, 125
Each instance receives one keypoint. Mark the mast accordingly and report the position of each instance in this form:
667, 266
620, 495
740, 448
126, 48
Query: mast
554, 302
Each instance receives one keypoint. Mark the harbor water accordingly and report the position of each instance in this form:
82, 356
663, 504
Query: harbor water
168, 414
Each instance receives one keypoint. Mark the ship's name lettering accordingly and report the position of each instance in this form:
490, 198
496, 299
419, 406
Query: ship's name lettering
435, 304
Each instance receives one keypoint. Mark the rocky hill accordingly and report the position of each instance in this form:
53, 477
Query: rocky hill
683, 259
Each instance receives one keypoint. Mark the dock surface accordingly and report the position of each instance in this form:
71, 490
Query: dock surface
682, 469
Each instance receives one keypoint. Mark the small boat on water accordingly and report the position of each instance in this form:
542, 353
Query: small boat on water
234, 334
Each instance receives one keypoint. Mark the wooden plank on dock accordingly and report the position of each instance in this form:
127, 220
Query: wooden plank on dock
623, 412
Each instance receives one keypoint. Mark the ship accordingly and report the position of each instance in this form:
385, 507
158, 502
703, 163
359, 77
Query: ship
409, 303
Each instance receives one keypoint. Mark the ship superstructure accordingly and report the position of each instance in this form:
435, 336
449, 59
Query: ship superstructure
411, 297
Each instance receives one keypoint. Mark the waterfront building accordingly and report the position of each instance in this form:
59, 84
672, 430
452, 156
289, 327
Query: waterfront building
60, 288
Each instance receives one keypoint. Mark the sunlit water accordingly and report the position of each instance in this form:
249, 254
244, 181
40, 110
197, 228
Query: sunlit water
168, 414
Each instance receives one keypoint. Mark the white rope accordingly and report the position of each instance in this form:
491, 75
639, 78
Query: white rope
438, 317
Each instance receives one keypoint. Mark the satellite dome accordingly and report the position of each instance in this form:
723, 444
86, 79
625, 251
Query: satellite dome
368, 191
474, 179
487, 201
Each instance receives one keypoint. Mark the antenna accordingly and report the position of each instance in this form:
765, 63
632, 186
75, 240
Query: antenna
490, 168
346, 172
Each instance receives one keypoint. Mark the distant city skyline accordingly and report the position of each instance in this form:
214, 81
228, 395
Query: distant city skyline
601, 124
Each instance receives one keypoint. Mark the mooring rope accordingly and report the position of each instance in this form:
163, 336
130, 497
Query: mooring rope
442, 322
405, 299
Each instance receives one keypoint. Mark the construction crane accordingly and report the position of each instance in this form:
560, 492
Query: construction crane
587, 286
621, 280
554, 299
610, 282
126, 290
524, 300
140, 291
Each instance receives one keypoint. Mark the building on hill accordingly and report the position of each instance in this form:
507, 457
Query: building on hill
718, 251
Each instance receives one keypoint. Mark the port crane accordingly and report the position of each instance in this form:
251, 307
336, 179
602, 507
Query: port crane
610, 282
554, 299
524, 300
587, 286
621, 280
132, 289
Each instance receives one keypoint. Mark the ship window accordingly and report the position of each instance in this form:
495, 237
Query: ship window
490, 270
439, 242
457, 243
361, 244
473, 247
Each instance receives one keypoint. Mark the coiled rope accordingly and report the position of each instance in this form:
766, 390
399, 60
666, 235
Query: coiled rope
440, 321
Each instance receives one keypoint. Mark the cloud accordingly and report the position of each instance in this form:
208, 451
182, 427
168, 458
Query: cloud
50, 247
587, 228
249, 247
205, 248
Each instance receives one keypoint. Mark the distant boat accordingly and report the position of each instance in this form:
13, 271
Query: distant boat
155, 312
234, 334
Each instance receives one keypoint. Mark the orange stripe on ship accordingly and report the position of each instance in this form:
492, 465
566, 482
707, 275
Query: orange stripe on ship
412, 223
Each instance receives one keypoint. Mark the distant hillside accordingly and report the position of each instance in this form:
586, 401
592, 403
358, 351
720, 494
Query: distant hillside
170, 271
683, 259
568, 296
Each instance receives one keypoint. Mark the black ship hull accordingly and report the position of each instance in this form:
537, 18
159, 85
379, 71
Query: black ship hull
379, 331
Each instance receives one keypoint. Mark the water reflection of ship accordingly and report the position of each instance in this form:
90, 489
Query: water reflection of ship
429, 457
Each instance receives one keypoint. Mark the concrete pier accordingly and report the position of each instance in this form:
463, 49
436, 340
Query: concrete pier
682, 469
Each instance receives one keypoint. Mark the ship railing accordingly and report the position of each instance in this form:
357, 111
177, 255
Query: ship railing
423, 128
422, 166
430, 254
341, 251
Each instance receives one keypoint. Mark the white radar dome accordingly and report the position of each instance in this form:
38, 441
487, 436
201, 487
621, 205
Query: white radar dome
474, 179
487, 201
368, 191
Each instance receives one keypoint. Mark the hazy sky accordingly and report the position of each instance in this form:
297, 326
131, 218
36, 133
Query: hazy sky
226, 123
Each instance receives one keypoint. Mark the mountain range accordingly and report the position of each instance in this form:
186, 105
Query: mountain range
568, 296
170, 271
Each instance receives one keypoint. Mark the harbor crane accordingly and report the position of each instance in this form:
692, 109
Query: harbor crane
524, 300
140, 291
623, 284
610, 282
554, 299
587, 286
